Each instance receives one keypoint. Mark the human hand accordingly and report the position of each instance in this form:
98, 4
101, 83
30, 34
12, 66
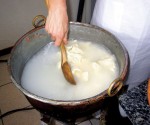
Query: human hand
57, 21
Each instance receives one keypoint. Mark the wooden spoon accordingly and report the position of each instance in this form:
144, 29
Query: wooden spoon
65, 65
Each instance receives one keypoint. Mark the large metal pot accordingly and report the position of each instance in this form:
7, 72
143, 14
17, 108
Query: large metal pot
34, 40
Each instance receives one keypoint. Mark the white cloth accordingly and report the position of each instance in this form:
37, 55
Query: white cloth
129, 21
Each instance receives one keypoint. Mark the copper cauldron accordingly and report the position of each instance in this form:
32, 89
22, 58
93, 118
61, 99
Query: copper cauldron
34, 40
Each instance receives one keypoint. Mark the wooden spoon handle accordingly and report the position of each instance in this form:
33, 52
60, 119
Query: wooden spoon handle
63, 53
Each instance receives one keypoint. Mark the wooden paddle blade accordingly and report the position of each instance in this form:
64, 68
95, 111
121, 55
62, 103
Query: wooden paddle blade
67, 73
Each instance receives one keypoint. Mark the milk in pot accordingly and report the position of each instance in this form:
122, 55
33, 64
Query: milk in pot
94, 68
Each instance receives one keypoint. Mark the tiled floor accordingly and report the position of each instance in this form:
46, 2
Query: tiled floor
11, 98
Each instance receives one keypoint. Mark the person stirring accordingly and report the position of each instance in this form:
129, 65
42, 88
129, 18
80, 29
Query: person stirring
128, 20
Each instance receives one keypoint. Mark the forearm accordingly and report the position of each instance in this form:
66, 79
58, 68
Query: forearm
54, 3
57, 20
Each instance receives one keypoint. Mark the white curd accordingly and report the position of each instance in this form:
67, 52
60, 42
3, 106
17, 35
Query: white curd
94, 68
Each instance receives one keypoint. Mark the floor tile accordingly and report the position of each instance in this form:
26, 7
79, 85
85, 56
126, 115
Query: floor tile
30, 117
11, 98
4, 74
1, 121
5, 57
6, 45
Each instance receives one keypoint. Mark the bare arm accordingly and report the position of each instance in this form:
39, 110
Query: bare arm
57, 21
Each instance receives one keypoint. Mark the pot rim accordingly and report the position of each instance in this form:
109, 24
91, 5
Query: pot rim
101, 95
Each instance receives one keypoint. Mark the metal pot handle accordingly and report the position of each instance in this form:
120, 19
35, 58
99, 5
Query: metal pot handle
115, 87
38, 21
